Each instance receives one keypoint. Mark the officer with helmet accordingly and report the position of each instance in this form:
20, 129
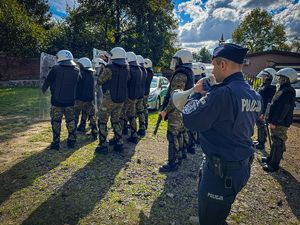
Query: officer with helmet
85, 95
62, 80
150, 74
225, 117
99, 65
134, 89
140, 109
279, 115
183, 79
267, 91
113, 81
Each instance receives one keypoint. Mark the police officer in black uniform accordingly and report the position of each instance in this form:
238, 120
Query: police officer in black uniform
62, 80
225, 117
267, 91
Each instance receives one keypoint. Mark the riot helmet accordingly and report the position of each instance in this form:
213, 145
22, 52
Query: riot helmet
65, 57
148, 63
97, 62
268, 72
131, 58
140, 60
289, 73
85, 63
182, 58
118, 56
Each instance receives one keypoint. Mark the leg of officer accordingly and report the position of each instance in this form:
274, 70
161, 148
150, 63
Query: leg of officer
71, 126
279, 137
56, 114
214, 199
90, 111
131, 115
104, 111
145, 102
83, 120
141, 116
123, 117
261, 134
115, 116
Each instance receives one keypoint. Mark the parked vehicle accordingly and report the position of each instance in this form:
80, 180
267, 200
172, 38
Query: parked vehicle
158, 91
296, 86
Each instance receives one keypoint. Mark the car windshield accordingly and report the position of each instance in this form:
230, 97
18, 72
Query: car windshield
153, 83
296, 86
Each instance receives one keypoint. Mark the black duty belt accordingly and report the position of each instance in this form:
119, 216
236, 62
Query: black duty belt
221, 165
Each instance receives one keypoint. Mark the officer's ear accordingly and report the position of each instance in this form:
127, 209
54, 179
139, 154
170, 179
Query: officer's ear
224, 65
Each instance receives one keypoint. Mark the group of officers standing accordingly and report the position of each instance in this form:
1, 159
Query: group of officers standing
123, 85
223, 116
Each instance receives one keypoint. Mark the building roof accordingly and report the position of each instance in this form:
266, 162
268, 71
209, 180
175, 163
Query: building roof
276, 52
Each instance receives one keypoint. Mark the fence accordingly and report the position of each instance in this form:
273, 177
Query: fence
253, 81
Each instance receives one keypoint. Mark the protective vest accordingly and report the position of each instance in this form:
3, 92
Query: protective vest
135, 82
65, 84
144, 77
117, 85
280, 110
189, 83
150, 75
266, 91
85, 87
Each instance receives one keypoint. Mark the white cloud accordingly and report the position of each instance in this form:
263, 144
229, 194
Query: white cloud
61, 5
216, 17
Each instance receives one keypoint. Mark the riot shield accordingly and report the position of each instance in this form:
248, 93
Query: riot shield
46, 63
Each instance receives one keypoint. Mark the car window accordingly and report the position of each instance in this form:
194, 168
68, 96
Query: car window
166, 82
296, 86
153, 83
160, 82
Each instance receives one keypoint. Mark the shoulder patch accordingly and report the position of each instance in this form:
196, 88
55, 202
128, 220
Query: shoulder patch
190, 107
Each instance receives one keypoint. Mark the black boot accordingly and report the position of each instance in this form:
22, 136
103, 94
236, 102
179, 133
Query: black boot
170, 167
101, 149
119, 148
133, 139
270, 168
95, 136
54, 145
81, 127
265, 159
125, 131
112, 141
141, 132
71, 144
191, 149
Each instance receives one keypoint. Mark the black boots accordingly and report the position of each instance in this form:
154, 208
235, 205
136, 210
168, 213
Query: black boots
54, 145
170, 167
101, 149
81, 127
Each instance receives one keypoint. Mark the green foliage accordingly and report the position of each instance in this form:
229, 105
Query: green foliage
18, 35
259, 32
296, 44
203, 56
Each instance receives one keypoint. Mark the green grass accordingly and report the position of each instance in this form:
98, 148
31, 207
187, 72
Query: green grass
19, 101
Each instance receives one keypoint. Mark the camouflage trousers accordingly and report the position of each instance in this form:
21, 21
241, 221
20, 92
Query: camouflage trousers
279, 137
175, 137
88, 110
57, 114
129, 114
113, 110
146, 113
140, 111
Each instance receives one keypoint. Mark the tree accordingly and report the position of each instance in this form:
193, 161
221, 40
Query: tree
203, 56
296, 44
259, 32
18, 35
37, 11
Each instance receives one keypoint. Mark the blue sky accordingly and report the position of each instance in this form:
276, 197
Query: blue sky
202, 22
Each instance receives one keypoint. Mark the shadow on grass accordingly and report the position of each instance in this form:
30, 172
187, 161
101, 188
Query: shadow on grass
291, 188
79, 195
24, 173
178, 201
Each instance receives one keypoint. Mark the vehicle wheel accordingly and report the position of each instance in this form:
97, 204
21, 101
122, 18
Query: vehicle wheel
157, 104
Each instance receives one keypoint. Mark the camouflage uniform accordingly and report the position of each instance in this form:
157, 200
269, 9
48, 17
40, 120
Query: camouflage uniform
140, 110
109, 108
279, 137
146, 114
175, 128
129, 114
88, 109
56, 114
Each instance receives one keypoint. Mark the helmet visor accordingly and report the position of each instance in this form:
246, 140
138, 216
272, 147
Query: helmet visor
275, 80
262, 74
174, 63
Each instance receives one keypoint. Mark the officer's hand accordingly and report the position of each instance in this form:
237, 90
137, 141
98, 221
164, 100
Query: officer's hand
162, 114
261, 116
272, 126
198, 87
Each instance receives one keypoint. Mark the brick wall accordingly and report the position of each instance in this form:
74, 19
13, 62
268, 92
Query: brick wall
16, 68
